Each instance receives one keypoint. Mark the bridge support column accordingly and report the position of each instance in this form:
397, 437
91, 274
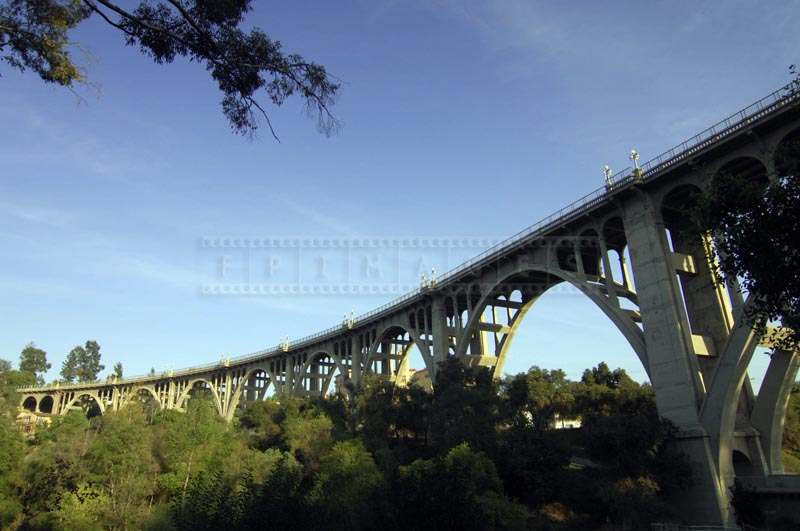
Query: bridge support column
441, 339
673, 370
354, 347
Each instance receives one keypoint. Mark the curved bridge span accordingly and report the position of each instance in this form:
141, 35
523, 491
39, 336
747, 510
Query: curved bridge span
685, 328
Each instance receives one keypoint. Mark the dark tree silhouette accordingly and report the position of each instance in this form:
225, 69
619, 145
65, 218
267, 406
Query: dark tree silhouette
34, 35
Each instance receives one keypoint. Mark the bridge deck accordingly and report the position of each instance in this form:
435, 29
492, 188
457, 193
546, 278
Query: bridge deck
713, 137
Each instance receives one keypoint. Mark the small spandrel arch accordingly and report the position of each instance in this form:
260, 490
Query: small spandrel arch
787, 155
29, 403
46, 404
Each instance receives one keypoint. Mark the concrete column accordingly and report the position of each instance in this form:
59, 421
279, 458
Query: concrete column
673, 371
708, 303
354, 345
288, 386
171, 395
608, 274
439, 331
626, 273
115, 399
576, 246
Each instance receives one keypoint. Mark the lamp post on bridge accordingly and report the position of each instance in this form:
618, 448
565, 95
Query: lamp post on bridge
637, 171
608, 173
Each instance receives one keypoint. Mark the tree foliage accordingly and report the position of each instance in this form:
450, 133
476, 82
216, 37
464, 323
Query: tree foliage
34, 360
472, 454
82, 363
34, 34
755, 223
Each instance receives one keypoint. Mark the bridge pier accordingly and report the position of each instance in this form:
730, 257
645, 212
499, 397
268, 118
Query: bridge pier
674, 370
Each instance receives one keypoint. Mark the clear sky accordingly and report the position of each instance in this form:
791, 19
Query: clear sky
461, 119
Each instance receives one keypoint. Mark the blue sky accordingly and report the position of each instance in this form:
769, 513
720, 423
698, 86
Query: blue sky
461, 119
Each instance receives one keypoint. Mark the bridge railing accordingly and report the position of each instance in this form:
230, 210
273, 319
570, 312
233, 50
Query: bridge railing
786, 95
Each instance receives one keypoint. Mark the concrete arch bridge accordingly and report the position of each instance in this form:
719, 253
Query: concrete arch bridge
687, 330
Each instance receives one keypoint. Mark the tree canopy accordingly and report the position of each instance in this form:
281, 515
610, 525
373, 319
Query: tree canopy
755, 222
383, 458
82, 364
245, 64
34, 360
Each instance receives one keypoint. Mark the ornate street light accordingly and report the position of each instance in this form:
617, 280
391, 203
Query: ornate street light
607, 173
634, 156
637, 171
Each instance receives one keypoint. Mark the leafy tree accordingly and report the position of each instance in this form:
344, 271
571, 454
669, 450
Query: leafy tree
9, 381
82, 509
34, 360
465, 408
262, 421
199, 442
536, 397
118, 370
350, 490
282, 500
213, 501
601, 390
69, 367
603, 375
532, 464
121, 464
56, 466
5, 366
90, 366
301, 463
11, 454
82, 363
755, 223
308, 433
460, 490
34, 34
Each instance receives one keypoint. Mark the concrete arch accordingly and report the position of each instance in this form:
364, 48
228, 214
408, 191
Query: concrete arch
624, 324
420, 314
727, 162
46, 404
318, 354
271, 381
77, 398
674, 203
769, 411
718, 413
30, 403
135, 392
184, 397
613, 233
786, 157
236, 396
590, 251
747, 166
